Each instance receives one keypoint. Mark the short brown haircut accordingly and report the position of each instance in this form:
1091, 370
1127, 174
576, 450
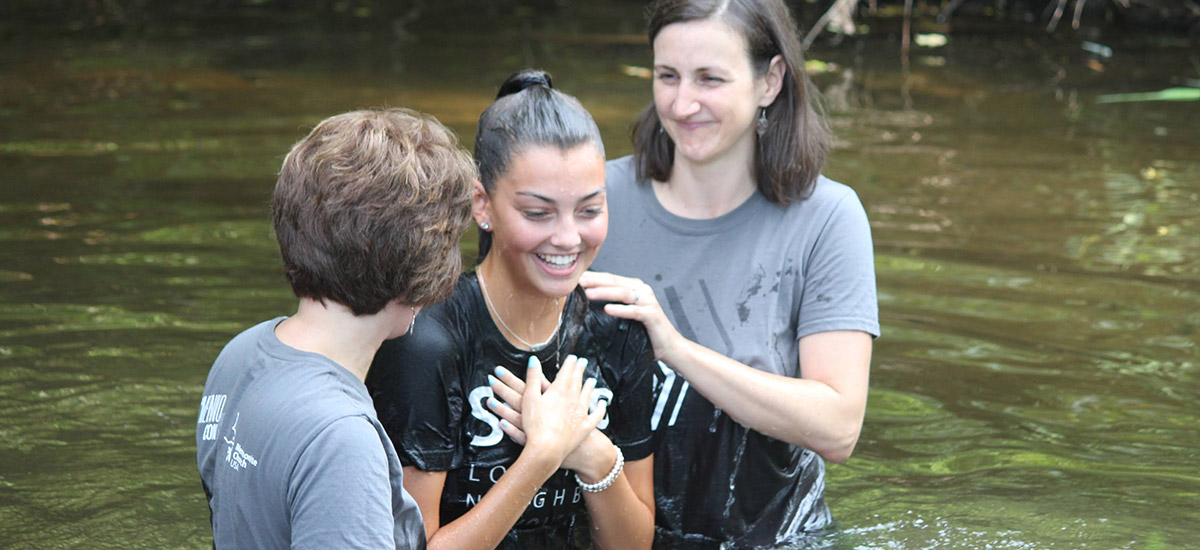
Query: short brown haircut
369, 208
791, 152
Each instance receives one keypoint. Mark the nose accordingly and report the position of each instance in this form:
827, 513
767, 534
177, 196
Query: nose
685, 103
566, 234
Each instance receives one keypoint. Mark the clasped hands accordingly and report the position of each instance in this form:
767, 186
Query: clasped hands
553, 417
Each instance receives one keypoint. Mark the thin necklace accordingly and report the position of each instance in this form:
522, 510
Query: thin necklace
486, 298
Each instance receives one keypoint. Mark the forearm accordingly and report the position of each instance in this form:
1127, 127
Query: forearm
485, 524
620, 518
822, 409
824, 415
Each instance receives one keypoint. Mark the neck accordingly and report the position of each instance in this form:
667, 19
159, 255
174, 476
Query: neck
332, 330
709, 190
522, 314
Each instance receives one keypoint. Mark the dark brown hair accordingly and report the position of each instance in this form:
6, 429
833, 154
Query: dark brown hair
791, 153
369, 208
527, 112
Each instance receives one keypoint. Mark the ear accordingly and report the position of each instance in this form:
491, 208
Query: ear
480, 204
773, 81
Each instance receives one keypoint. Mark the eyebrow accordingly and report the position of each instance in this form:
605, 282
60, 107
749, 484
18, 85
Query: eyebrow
706, 68
546, 199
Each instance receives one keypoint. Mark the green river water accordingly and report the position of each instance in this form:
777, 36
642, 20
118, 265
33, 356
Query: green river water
1038, 258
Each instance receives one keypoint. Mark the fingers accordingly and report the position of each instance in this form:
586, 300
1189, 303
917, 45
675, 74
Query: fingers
514, 432
533, 377
505, 412
570, 376
507, 388
510, 379
594, 418
633, 293
585, 393
597, 278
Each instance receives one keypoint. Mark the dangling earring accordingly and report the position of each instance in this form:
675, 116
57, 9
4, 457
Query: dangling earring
485, 226
762, 122
413, 322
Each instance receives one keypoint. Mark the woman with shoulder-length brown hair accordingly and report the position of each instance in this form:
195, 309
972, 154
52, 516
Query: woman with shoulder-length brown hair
752, 273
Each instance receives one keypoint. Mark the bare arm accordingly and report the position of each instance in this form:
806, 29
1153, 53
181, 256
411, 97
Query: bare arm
484, 525
622, 516
822, 410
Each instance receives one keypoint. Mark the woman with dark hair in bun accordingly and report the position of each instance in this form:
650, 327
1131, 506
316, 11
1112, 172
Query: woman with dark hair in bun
517, 404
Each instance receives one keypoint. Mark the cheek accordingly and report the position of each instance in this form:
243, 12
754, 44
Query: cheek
594, 231
662, 98
518, 236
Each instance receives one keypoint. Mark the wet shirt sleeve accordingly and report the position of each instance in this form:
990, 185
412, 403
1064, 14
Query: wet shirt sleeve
418, 394
633, 391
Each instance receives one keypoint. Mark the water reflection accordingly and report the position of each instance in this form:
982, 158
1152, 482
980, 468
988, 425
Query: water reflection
1036, 255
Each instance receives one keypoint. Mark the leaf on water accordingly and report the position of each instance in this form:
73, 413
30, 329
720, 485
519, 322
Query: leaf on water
637, 72
11, 276
816, 66
1169, 94
932, 40
1098, 49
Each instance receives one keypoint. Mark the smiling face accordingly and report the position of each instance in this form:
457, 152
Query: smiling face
549, 216
705, 90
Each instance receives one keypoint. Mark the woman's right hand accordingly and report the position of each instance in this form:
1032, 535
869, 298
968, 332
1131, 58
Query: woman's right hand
630, 298
554, 421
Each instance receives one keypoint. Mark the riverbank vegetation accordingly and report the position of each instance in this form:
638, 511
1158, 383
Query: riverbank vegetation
836, 17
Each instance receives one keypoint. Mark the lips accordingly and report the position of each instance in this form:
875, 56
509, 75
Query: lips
691, 126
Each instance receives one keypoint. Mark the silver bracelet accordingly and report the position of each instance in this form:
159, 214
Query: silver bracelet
608, 479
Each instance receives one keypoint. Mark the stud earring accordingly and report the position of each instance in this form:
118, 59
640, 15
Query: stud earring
762, 122
485, 226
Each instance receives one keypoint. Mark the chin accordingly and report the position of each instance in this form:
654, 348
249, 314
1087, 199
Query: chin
560, 289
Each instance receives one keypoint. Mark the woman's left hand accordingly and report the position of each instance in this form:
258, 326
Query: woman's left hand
630, 298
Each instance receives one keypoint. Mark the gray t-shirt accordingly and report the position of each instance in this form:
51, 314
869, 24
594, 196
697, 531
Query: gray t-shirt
748, 284
291, 454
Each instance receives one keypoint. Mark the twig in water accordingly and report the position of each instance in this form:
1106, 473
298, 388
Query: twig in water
945, 15
838, 8
1058, 11
907, 29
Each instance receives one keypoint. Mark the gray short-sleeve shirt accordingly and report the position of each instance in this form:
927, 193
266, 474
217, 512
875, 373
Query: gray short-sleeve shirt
291, 454
748, 284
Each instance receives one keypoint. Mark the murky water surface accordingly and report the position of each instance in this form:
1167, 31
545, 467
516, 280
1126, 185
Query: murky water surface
1037, 252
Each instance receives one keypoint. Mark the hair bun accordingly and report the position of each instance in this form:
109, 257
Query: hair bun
524, 79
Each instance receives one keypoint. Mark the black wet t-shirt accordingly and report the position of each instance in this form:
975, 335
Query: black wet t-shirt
430, 390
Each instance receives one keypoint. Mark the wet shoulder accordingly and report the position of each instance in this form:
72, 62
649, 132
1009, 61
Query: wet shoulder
611, 336
440, 330
453, 318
